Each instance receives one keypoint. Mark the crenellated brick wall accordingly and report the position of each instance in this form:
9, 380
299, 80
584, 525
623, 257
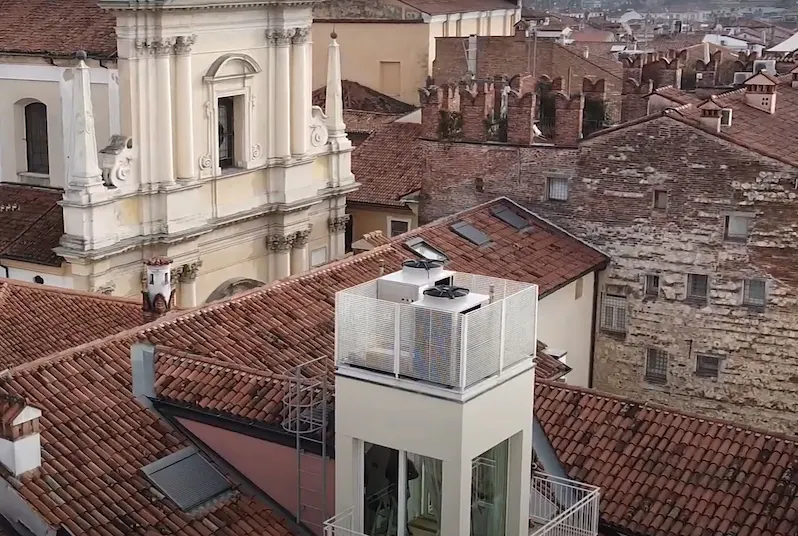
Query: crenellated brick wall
612, 178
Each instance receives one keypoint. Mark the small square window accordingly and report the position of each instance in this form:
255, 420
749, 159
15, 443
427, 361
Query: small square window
652, 285
697, 287
399, 227
707, 366
557, 189
578, 289
754, 292
660, 199
726, 117
656, 366
736, 228
613, 313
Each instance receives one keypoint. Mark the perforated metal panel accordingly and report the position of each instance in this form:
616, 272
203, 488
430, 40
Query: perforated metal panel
186, 478
520, 331
484, 343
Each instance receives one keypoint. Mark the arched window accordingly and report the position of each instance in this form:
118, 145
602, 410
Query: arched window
36, 138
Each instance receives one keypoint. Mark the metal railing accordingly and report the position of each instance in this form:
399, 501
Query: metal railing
563, 507
447, 350
342, 524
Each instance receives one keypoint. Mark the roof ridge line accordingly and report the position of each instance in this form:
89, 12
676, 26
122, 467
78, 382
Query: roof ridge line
666, 409
71, 291
174, 354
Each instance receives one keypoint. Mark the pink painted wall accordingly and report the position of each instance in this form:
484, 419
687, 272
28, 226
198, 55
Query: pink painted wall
273, 468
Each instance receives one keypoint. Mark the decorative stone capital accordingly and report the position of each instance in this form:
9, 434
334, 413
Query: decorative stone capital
188, 272
301, 36
164, 46
106, 289
338, 225
144, 48
300, 238
184, 43
174, 277
280, 37
278, 243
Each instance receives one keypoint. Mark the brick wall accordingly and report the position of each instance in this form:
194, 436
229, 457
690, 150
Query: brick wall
612, 178
509, 56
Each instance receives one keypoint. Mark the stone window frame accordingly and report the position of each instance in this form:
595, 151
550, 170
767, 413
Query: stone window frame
21, 142
239, 86
646, 292
654, 199
701, 300
726, 220
654, 372
392, 219
760, 307
706, 372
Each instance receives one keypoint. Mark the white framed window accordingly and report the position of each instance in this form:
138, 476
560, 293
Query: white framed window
754, 292
707, 366
652, 285
318, 256
736, 227
557, 189
660, 199
613, 313
697, 287
397, 226
726, 117
656, 366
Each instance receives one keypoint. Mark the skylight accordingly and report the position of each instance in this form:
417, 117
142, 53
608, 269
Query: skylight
186, 478
423, 248
510, 217
470, 233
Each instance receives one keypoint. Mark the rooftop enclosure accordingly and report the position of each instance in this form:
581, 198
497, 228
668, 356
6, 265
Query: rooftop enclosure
433, 329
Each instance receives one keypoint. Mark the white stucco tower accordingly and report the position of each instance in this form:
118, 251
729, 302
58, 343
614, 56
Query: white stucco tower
221, 160
434, 403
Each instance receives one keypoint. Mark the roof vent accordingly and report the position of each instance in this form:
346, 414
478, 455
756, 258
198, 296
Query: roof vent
446, 291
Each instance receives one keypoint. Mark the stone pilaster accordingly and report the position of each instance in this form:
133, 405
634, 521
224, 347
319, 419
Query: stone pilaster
299, 251
187, 277
300, 104
281, 40
337, 226
184, 140
280, 247
164, 47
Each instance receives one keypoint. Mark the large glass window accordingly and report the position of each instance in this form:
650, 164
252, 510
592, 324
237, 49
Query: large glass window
424, 495
380, 502
489, 492
36, 138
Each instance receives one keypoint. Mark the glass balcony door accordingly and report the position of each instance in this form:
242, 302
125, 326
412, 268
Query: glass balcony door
489, 481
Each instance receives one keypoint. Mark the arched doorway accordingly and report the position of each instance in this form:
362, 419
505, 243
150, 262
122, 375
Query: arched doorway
232, 287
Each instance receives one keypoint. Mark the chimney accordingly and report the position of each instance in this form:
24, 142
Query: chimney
477, 105
634, 99
142, 361
761, 92
159, 296
520, 117
568, 113
20, 441
711, 114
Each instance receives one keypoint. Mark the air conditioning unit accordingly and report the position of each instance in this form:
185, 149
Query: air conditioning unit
765, 65
406, 285
452, 299
741, 77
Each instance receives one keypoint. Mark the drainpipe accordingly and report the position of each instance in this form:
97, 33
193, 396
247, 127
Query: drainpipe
593, 329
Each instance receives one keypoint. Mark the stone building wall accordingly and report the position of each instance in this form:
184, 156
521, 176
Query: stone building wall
612, 178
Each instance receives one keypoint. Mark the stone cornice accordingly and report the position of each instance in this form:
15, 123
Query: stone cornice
157, 5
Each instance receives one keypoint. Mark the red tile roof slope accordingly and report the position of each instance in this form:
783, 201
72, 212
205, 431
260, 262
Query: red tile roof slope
54, 27
548, 367
362, 98
95, 439
32, 222
361, 122
442, 7
541, 253
388, 165
677, 95
36, 320
665, 473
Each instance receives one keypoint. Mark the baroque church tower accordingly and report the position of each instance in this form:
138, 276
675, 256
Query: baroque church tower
222, 164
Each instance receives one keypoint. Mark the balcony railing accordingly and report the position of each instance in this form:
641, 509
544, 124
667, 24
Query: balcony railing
341, 524
446, 350
562, 507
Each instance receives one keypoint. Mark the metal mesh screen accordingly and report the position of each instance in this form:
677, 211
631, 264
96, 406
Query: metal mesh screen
430, 345
520, 326
365, 332
484, 343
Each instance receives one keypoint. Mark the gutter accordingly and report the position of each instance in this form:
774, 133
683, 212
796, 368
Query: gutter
593, 329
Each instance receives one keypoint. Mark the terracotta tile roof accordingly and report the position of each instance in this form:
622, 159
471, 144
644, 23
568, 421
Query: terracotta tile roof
548, 367
668, 473
32, 222
359, 97
676, 95
52, 27
388, 165
59, 318
442, 7
95, 439
361, 122
542, 253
